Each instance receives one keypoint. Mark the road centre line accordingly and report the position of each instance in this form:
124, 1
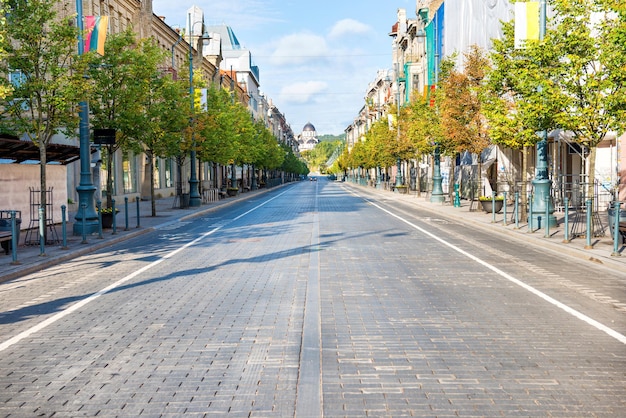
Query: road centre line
81, 303
611, 332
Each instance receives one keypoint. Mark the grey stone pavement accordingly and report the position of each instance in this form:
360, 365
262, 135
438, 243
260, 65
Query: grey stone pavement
286, 313
30, 258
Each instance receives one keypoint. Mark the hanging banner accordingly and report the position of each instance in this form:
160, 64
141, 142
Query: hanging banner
526, 23
96, 32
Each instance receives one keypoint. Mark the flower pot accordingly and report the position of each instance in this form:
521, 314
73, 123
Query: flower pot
488, 205
232, 192
107, 220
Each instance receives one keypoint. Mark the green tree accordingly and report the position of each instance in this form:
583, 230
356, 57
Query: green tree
114, 103
46, 74
216, 124
463, 122
5, 88
377, 139
153, 123
521, 95
589, 38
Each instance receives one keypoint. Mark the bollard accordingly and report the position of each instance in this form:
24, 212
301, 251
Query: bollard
493, 208
99, 206
457, 197
14, 238
504, 209
64, 227
137, 200
516, 209
530, 213
566, 238
83, 207
588, 245
616, 235
126, 212
547, 227
114, 214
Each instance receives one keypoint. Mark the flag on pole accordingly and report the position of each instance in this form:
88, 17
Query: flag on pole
96, 32
526, 22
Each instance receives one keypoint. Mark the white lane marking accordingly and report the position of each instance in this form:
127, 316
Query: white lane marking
47, 322
611, 332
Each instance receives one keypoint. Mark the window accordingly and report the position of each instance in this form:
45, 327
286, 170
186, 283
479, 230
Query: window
129, 165
169, 172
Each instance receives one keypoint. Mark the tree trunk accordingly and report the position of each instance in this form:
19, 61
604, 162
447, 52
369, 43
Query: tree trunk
109, 190
152, 199
592, 177
523, 212
42, 180
451, 179
479, 175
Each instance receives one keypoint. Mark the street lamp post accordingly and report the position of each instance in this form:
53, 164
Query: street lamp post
86, 218
398, 161
194, 193
542, 201
437, 194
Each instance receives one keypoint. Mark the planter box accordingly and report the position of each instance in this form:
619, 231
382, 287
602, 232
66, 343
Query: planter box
107, 220
487, 205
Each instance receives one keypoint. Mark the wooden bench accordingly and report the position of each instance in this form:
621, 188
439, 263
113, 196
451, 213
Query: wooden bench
4, 237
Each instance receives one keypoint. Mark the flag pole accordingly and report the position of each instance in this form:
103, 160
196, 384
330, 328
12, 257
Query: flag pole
86, 217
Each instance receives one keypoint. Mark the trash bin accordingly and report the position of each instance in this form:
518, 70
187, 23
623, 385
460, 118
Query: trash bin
5, 225
611, 215
185, 201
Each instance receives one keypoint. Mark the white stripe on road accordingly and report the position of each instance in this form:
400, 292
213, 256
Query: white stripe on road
619, 337
19, 337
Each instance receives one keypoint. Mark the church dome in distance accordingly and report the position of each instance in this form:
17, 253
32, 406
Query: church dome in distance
308, 127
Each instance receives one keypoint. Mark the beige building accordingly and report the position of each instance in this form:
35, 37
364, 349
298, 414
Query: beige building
131, 171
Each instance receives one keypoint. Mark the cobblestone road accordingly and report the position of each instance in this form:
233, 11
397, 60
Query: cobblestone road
312, 301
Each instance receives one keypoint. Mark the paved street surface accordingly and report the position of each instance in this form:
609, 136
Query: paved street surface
315, 299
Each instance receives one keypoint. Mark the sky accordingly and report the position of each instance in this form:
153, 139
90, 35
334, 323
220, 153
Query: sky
315, 58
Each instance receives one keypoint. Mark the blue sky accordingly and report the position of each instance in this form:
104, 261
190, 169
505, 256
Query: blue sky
315, 58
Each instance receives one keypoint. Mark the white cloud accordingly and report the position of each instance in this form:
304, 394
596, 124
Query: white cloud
299, 48
302, 92
348, 27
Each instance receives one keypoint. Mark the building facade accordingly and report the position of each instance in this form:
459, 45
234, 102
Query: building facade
439, 29
307, 140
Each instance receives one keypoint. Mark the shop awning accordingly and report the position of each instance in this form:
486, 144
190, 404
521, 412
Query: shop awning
16, 151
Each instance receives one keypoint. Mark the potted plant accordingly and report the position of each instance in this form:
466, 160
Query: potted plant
232, 191
107, 216
487, 203
403, 189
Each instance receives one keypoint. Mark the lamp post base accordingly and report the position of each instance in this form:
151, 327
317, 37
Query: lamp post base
435, 198
89, 225
541, 202
437, 195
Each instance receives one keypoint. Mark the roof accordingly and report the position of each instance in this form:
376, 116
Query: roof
308, 127
17, 151
229, 40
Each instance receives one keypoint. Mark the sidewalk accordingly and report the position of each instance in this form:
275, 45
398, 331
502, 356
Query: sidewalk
600, 253
30, 258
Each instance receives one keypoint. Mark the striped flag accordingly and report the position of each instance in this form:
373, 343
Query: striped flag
96, 33
526, 22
